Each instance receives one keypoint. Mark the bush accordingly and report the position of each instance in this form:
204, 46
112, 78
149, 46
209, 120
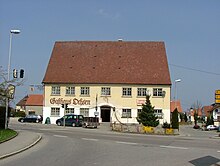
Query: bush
196, 127
166, 125
19, 114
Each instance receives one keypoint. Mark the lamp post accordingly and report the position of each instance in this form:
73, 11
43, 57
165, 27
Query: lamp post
14, 31
175, 95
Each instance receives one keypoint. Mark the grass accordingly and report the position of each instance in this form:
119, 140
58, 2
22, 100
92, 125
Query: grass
6, 134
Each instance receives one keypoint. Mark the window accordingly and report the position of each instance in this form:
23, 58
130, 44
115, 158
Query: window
158, 113
69, 111
126, 113
84, 112
84, 91
55, 90
138, 111
105, 91
126, 91
141, 91
70, 90
55, 111
157, 92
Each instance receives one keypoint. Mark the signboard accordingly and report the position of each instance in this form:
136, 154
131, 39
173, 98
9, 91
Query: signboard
217, 96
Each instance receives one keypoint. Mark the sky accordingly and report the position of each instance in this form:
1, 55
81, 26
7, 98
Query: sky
190, 30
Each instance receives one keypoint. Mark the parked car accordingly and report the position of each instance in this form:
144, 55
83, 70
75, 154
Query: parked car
70, 120
31, 118
211, 127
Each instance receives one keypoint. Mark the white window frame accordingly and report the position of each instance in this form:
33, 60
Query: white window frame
126, 113
158, 113
105, 91
141, 92
126, 92
84, 91
84, 112
55, 111
70, 90
69, 111
55, 90
157, 92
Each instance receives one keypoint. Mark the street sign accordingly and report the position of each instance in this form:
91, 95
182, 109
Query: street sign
217, 101
217, 96
11, 91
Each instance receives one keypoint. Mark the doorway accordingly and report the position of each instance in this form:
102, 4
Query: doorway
105, 113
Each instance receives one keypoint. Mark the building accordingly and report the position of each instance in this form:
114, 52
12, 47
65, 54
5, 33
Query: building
108, 79
31, 104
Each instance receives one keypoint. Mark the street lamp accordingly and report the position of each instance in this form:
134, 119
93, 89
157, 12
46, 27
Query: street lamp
175, 95
13, 31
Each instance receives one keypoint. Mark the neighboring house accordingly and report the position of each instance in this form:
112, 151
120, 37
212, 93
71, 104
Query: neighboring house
215, 112
31, 104
108, 79
193, 111
174, 105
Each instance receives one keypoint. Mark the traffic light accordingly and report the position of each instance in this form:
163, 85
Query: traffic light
66, 106
15, 73
21, 73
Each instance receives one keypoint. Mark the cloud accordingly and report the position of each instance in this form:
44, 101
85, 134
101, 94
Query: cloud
113, 16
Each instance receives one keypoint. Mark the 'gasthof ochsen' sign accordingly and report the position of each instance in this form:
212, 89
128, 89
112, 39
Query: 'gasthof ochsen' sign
74, 101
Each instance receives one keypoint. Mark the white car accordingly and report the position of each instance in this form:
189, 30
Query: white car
211, 127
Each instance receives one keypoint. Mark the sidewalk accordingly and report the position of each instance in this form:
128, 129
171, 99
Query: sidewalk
21, 142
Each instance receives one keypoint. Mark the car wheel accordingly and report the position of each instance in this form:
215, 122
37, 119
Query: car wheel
73, 124
58, 124
22, 120
37, 121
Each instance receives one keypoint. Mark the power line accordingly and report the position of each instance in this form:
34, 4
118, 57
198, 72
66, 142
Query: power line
192, 69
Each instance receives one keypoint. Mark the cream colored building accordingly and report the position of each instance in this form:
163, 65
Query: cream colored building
107, 79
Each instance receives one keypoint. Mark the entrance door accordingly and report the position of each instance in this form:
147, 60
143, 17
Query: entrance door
105, 113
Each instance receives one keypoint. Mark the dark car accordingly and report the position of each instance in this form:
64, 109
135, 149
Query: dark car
70, 120
31, 118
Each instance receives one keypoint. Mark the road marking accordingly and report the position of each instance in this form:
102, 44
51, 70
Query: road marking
89, 139
127, 143
173, 147
218, 151
61, 136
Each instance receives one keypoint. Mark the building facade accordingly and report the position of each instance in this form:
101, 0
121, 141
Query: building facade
107, 79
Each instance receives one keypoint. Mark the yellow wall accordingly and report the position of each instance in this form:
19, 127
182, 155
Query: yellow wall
114, 100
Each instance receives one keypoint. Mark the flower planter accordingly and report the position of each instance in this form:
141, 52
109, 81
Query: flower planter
169, 131
148, 129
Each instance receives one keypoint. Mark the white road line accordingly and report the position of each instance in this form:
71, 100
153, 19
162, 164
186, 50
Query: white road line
173, 147
89, 139
127, 143
61, 136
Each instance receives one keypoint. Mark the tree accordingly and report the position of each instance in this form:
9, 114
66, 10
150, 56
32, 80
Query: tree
147, 116
4, 85
175, 119
196, 108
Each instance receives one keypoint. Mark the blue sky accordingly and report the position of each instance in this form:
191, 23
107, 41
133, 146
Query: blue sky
190, 30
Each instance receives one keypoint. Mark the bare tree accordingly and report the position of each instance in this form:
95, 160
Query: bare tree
4, 85
197, 107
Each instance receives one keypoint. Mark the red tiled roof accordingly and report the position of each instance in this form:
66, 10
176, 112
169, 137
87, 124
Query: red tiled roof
174, 105
207, 110
108, 62
34, 100
22, 102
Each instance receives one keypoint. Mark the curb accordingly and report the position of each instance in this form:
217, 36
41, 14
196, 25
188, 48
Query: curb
23, 149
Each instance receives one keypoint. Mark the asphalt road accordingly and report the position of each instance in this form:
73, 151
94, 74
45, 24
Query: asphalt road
101, 147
